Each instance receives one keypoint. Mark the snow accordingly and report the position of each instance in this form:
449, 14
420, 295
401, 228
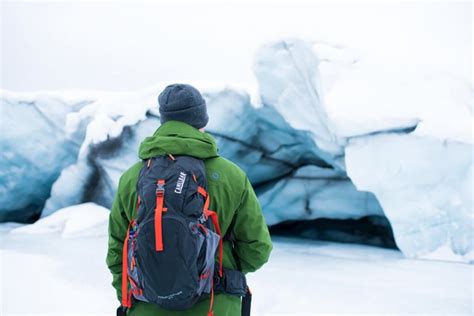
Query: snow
69, 188
110, 113
58, 275
403, 134
424, 186
330, 278
371, 97
86, 219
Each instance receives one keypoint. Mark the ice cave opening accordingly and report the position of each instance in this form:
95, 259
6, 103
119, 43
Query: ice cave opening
371, 230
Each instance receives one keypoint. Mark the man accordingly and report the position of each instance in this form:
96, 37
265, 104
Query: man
183, 116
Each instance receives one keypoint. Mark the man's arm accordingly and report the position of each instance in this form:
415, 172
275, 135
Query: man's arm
118, 225
252, 239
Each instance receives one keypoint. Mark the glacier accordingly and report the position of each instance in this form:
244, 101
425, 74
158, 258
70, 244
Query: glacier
403, 134
331, 136
35, 148
275, 156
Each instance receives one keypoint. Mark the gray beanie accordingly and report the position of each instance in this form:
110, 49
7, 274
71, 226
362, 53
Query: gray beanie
182, 102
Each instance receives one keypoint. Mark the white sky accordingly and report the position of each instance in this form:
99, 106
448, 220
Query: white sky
130, 45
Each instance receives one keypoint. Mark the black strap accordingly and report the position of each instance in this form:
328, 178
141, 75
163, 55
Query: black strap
246, 303
121, 311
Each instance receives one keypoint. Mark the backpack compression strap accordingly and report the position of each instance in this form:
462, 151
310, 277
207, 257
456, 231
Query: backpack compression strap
159, 209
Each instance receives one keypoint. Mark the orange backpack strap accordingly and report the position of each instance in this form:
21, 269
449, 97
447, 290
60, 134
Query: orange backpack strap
215, 221
159, 209
126, 296
202, 191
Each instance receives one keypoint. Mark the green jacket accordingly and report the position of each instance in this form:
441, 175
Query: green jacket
232, 196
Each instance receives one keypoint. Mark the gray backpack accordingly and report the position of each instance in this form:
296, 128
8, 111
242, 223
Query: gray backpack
170, 248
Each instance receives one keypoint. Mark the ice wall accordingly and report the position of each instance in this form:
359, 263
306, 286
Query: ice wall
402, 133
335, 137
34, 148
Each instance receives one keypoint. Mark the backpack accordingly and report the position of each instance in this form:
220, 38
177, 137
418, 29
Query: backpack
170, 248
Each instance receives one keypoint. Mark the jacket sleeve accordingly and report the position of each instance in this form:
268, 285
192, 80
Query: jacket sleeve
118, 225
252, 239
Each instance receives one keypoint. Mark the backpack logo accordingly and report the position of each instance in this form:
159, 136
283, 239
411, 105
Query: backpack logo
180, 183
215, 175
171, 296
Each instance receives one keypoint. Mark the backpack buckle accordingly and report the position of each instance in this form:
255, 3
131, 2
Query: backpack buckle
202, 219
160, 187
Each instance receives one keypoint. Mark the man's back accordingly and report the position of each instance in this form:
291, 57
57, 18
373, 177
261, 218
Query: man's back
232, 197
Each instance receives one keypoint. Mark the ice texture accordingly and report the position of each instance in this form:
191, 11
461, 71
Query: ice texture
424, 185
333, 136
34, 148
403, 134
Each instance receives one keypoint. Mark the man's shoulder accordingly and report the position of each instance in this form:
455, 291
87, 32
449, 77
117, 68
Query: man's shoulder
128, 179
220, 168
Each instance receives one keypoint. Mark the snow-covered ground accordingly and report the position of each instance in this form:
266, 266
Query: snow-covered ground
57, 267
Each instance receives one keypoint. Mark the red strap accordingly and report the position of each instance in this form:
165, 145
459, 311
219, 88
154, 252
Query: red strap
205, 275
202, 191
215, 221
160, 192
126, 298
206, 206
135, 288
203, 228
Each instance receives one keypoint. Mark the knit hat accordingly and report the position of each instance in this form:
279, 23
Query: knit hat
182, 102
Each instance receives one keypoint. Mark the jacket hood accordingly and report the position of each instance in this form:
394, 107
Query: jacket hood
178, 138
